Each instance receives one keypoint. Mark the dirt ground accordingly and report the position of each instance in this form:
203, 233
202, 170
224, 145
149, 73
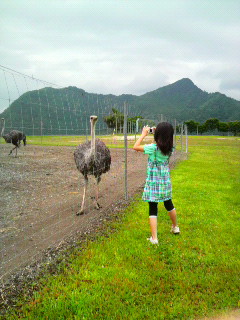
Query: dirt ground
232, 315
41, 192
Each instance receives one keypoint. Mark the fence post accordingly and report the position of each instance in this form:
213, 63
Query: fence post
86, 129
125, 150
2, 128
186, 135
182, 137
41, 129
136, 128
175, 132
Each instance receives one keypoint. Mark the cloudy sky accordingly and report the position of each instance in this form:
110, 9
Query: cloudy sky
122, 46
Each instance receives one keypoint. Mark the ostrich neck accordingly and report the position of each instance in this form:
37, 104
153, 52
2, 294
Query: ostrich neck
93, 141
3, 129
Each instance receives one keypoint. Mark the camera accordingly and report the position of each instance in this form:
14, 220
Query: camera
152, 130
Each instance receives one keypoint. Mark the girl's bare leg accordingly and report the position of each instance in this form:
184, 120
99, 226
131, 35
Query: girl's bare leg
173, 217
153, 226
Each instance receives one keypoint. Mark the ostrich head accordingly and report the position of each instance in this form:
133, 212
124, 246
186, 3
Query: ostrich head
93, 120
3, 127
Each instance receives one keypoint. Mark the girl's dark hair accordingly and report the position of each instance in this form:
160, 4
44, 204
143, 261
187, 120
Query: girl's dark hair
163, 136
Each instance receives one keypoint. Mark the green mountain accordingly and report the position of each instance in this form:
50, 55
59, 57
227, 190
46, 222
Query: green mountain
66, 111
178, 100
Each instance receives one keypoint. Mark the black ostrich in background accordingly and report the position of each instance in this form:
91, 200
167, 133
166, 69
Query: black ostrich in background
92, 158
15, 137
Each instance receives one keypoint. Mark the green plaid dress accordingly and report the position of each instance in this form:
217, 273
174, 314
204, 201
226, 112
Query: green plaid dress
158, 187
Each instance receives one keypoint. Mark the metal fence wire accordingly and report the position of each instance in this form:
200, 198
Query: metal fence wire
42, 188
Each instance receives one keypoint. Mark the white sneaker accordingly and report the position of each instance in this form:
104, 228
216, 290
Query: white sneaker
153, 241
175, 230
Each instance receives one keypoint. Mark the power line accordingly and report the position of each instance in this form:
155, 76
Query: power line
25, 75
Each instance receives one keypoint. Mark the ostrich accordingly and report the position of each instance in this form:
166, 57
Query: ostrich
92, 158
13, 137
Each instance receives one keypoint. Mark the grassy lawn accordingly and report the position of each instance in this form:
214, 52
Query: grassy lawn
112, 141
63, 140
188, 276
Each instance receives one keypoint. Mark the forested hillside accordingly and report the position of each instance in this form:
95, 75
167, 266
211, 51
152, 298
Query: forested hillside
67, 110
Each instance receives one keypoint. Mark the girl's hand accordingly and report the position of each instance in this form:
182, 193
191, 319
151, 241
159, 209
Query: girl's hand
145, 130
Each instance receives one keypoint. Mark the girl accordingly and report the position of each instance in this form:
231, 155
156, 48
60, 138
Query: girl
158, 186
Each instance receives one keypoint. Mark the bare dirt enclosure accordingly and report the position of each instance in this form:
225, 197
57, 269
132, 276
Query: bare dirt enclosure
41, 192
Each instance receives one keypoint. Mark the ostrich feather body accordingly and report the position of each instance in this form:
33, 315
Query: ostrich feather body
15, 137
89, 163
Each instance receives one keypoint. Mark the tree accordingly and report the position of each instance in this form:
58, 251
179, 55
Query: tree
132, 123
211, 124
202, 128
192, 125
223, 127
115, 120
234, 127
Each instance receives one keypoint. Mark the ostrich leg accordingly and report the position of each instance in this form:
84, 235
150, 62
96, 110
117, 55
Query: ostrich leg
84, 195
12, 151
97, 205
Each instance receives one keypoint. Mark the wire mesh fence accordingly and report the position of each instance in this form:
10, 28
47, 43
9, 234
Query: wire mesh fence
42, 188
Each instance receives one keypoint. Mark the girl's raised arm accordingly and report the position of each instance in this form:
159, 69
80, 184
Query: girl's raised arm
137, 146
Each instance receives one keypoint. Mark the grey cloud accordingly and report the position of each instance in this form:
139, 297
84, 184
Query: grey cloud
230, 79
122, 46
230, 84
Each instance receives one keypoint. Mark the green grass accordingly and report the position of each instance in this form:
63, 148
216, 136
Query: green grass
112, 141
68, 140
122, 276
